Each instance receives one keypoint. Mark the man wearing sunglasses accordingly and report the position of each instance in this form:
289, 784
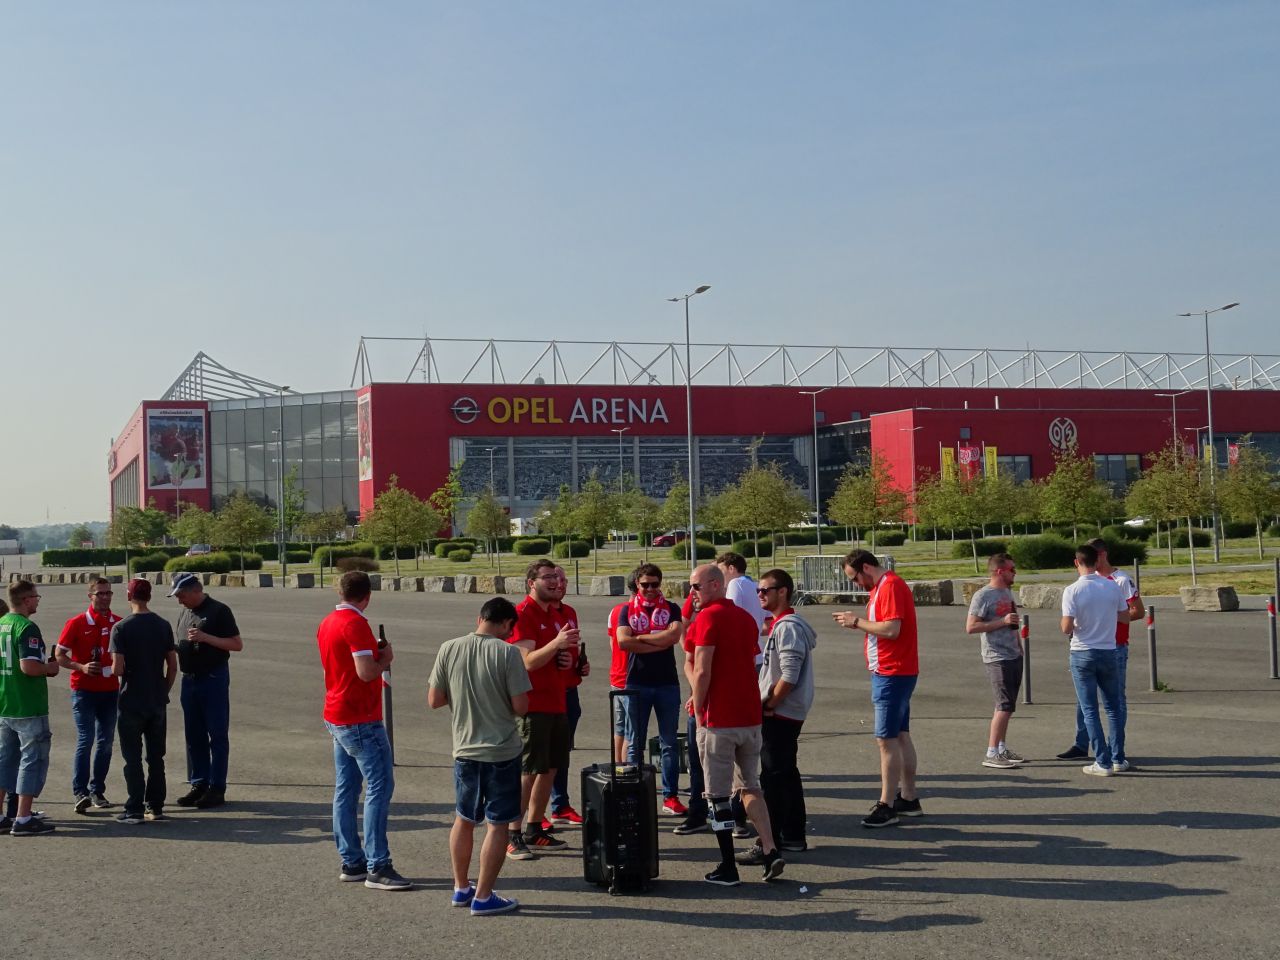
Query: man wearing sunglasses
993, 616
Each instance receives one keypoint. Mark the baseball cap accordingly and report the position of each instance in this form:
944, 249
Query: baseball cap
139, 589
183, 581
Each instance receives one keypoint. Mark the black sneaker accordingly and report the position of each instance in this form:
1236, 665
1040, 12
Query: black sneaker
753, 856
32, 828
773, 866
907, 808
211, 798
386, 878
881, 815
82, 803
128, 817
192, 796
725, 875
743, 832
6, 824
352, 872
100, 802
691, 825
154, 815
544, 841
1073, 753
793, 846
517, 849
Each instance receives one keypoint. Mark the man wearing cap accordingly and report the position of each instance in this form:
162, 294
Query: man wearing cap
207, 636
143, 656
82, 651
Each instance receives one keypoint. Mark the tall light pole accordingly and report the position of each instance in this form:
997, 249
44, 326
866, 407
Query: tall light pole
688, 415
817, 504
1213, 453
283, 549
912, 431
619, 431
1173, 400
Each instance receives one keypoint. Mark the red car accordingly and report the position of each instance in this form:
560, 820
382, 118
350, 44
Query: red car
670, 538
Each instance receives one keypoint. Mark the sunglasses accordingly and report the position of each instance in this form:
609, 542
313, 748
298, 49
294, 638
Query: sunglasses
695, 586
103, 593
764, 591
651, 585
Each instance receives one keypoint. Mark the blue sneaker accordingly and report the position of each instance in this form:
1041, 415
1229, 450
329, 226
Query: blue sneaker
494, 905
463, 898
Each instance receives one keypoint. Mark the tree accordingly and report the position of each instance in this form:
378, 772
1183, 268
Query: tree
242, 521
762, 499
445, 498
558, 515
488, 520
1169, 490
867, 495
322, 525
195, 525
595, 513
9, 533
1073, 494
294, 505
1249, 490
128, 529
674, 512
398, 518
958, 502
642, 513
79, 535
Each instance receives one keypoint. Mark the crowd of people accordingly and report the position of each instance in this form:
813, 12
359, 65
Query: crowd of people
511, 686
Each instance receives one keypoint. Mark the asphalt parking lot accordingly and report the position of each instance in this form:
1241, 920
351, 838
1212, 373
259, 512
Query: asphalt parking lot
1175, 859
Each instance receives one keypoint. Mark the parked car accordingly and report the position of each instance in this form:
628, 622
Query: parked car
1137, 522
670, 538
199, 550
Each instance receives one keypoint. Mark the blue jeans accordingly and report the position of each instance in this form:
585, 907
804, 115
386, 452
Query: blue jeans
206, 716
1093, 671
94, 712
1122, 710
362, 753
891, 699
24, 755
560, 785
665, 702
487, 790
697, 785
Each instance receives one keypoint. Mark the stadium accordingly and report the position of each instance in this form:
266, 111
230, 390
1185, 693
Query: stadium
620, 409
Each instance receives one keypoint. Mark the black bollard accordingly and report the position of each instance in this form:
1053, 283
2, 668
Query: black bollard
1271, 617
1151, 647
1025, 634
388, 708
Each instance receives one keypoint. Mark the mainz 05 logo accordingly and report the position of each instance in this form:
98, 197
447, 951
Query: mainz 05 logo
1063, 434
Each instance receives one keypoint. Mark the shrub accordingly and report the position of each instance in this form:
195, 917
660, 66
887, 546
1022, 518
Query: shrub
1123, 553
753, 548
1118, 531
367, 564
891, 538
1044, 552
533, 547
252, 561
572, 548
1235, 529
803, 538
1273, 530
1200, 538
703, 551
441, 549
961, 549
460, 555
149, 562
406, 551
208, 563
297, 556
337, 551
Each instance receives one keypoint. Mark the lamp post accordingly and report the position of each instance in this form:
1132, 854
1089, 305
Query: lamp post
688, 415
282, 551
817, 504
619, 431
1173, 400
1213, 453
912, 431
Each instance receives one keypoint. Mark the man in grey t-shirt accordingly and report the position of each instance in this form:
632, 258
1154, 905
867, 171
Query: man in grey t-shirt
993, 616
483, 679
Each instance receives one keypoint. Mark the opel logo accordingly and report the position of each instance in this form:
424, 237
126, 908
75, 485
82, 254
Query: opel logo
465, 410
1063, 434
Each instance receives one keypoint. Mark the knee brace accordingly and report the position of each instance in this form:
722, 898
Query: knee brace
721, 809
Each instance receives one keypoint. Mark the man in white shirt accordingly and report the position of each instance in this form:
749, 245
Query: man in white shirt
740, 589
1091, 608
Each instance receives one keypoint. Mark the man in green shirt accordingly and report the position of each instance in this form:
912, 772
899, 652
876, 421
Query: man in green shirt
25, 669
483, 679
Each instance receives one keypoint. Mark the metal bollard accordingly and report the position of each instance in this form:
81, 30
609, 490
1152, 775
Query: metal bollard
1151, 647
577, 579
388, 708
1025, 634
1137, 575
1271, 616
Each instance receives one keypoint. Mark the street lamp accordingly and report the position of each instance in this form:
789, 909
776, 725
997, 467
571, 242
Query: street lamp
817, 505
1213, 453
912, 431
282, 553
688, 415
1173, 399
619, 431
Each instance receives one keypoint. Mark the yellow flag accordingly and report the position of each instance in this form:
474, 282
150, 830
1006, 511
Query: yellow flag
948, 463
991, 461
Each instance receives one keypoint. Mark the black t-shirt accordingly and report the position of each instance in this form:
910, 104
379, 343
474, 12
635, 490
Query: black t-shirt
215, 619
650, 669
144, 640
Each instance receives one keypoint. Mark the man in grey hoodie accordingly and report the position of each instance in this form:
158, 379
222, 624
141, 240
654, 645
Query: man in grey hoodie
786, 694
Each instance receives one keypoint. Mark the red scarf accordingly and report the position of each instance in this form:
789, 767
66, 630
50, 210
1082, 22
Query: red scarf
645, 617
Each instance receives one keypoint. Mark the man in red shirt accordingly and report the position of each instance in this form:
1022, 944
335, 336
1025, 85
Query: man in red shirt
892, 658
83, 650
353, 664
726, 702
547, 634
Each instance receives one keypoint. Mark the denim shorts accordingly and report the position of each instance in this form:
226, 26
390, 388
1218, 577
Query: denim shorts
891, 696
619, 714
487, 791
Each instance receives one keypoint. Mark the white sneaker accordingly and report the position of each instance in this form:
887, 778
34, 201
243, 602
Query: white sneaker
1096, 771
1120, 766
999, 761
1011, 756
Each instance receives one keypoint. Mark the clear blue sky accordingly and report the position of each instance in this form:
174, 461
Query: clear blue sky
265, 181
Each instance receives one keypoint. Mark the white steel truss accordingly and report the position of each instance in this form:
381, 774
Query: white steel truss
622, 362
206, 379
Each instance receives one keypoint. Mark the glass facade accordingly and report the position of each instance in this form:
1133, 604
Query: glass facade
315, 432
1117, 470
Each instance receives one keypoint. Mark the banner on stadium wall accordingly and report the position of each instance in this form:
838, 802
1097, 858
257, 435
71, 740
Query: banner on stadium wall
1233, 454
1207, 451
364, 437
970, 462
992, 467
175, 450
948, 463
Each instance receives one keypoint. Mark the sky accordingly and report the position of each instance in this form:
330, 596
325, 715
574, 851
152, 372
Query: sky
267, 181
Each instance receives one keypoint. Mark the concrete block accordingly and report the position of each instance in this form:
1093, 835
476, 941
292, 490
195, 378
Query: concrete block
464, 583
491, 585
375, 581
969, 587
256, 579
1041, 596
391, 584
932, 593
116, 577
301, 581
232, 580
608, 586
438, 584
675, 589
412, 584
1209, 599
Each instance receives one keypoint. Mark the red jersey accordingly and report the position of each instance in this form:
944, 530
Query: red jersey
541, 626
86, 637
733, 698
1130, 591
891, 600
344, 635
618, 658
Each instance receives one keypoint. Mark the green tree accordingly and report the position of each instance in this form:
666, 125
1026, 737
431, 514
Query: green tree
323, 525
959, 503
762, 500
128, 529
557, 515
1169, 490
674, 513
1073, 494
398, 518
487, 520
1248, 490
79, 535
242, 521
445, 498
642, 513
294, 503
9, 533
595, 513
866, 495
155, 523
195, 525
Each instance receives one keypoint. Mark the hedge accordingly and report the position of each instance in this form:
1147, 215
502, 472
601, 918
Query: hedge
1236, 529
1118, 531
269, 551
1273, 530
1044, 552
703, 551
753, 548
367, 564
101, 556
406, 551
297, 556
442, 548
252, 561
1123, 553
460, 555
533, 547
1201, 538
328, 554
892, 538
572, 548
148, 562
206, 563
961, 549
803, 538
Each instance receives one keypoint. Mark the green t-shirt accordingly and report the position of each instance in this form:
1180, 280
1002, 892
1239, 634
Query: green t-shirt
480, 674
20, 695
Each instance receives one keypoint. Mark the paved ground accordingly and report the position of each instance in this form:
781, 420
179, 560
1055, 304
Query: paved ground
1175, 859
